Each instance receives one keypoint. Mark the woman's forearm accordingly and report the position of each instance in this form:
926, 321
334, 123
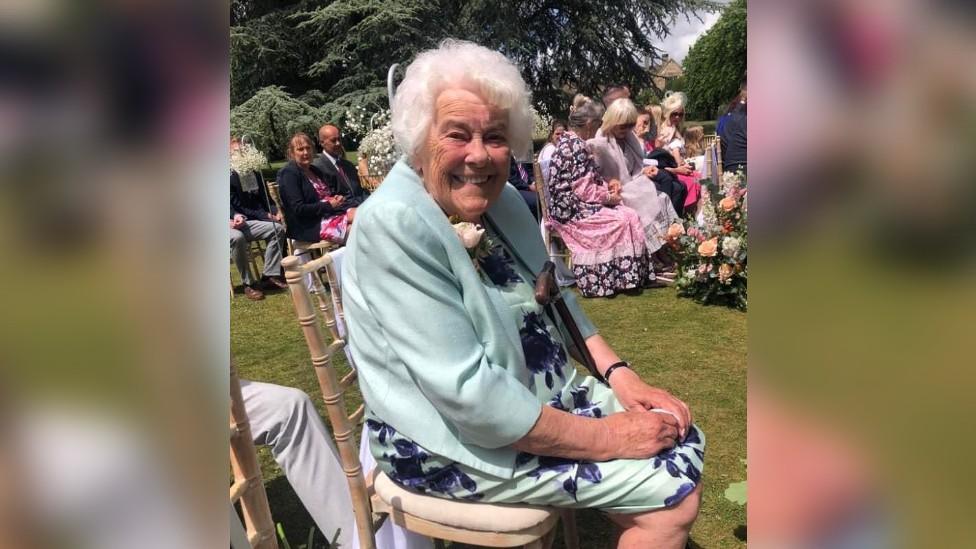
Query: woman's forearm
603, 355
558, 433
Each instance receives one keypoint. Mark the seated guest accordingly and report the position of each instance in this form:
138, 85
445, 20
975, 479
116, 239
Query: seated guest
645, 129
480, 401
545, 155
619, 158
313, 209
285, 420
332, 162
733, 134
671, 140
250, 220
605, 238
694, 136
523, 181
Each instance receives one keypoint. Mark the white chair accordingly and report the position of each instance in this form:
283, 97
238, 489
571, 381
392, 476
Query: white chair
377, 498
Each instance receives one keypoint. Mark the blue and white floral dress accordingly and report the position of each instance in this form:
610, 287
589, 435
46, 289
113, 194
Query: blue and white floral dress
622, 485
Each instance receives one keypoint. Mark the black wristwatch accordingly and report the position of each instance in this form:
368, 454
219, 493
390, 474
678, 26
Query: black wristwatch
614, 366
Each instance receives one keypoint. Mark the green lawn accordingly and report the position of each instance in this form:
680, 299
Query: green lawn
696, 352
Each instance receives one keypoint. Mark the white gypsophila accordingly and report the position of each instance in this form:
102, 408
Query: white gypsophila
731, 246
540, 125
730, 182
357, 121
379, 149
248, 159
707, 218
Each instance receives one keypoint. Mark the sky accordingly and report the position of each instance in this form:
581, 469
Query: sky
684, 33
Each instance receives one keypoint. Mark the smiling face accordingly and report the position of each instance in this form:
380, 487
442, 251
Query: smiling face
464, 162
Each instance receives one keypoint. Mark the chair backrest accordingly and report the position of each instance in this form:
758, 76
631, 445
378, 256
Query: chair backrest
312, 314
366, 180
708, 140
718, 158
248, 487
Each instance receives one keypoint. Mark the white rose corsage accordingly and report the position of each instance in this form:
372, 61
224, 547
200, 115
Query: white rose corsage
472, 237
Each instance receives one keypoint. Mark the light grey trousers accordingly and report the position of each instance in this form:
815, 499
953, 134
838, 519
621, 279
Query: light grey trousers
285, 419
257, 230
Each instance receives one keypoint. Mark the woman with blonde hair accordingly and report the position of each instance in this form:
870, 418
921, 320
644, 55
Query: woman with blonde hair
619, 156
671, 139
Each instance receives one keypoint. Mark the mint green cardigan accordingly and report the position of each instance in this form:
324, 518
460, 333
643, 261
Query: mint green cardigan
438, 356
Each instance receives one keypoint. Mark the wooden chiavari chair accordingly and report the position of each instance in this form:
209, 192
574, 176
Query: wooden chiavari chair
248, 487
375, 497
554, 248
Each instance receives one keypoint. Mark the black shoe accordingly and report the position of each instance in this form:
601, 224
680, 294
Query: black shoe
272, 282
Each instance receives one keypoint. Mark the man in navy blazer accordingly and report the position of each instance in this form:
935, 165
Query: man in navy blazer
332, 162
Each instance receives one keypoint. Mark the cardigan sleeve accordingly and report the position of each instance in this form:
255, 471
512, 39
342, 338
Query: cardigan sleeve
414, 297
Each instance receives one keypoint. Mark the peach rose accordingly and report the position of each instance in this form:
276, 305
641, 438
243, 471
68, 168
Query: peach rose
727, 203
708, 248
675, 230
724, 272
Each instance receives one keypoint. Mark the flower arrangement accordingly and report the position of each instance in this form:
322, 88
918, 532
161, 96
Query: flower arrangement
247, 159
713, 250
540, 126
378, 147
357, 122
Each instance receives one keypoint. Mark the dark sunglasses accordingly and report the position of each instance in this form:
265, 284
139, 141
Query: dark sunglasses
678, 113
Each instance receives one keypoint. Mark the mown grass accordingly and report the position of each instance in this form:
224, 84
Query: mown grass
696, 352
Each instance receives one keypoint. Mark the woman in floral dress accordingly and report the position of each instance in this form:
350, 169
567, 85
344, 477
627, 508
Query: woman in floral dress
466, 379
606, 239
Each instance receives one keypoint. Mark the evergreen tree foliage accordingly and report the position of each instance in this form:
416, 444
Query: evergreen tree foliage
334, 54
716, 64
271, 116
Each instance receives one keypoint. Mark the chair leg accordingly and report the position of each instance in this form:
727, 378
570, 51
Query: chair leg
570, 534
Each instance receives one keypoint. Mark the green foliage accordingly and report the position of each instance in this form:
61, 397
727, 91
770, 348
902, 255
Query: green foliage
698, 353
271, 116
343, 50
716, 63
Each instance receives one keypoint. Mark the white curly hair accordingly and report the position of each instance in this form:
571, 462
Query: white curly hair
453, 63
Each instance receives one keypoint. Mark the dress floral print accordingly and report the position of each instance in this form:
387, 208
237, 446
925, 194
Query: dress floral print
608, 244
661, 481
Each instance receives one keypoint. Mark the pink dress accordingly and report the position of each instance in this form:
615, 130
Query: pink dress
334, 228
607, 243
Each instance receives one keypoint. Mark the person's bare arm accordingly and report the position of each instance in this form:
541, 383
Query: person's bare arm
629, 434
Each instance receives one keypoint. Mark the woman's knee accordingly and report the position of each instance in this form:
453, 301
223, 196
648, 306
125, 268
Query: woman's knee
686, 511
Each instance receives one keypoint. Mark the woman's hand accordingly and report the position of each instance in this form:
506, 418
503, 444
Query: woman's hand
636, 395
612, 200
649, 171
337, 200
639, 435
683, 169
614, 186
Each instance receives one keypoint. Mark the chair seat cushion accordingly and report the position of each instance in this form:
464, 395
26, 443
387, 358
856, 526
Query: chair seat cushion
485, 517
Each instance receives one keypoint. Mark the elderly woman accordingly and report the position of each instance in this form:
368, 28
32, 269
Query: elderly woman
606, 239
314, 210
619, 156
479, 401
